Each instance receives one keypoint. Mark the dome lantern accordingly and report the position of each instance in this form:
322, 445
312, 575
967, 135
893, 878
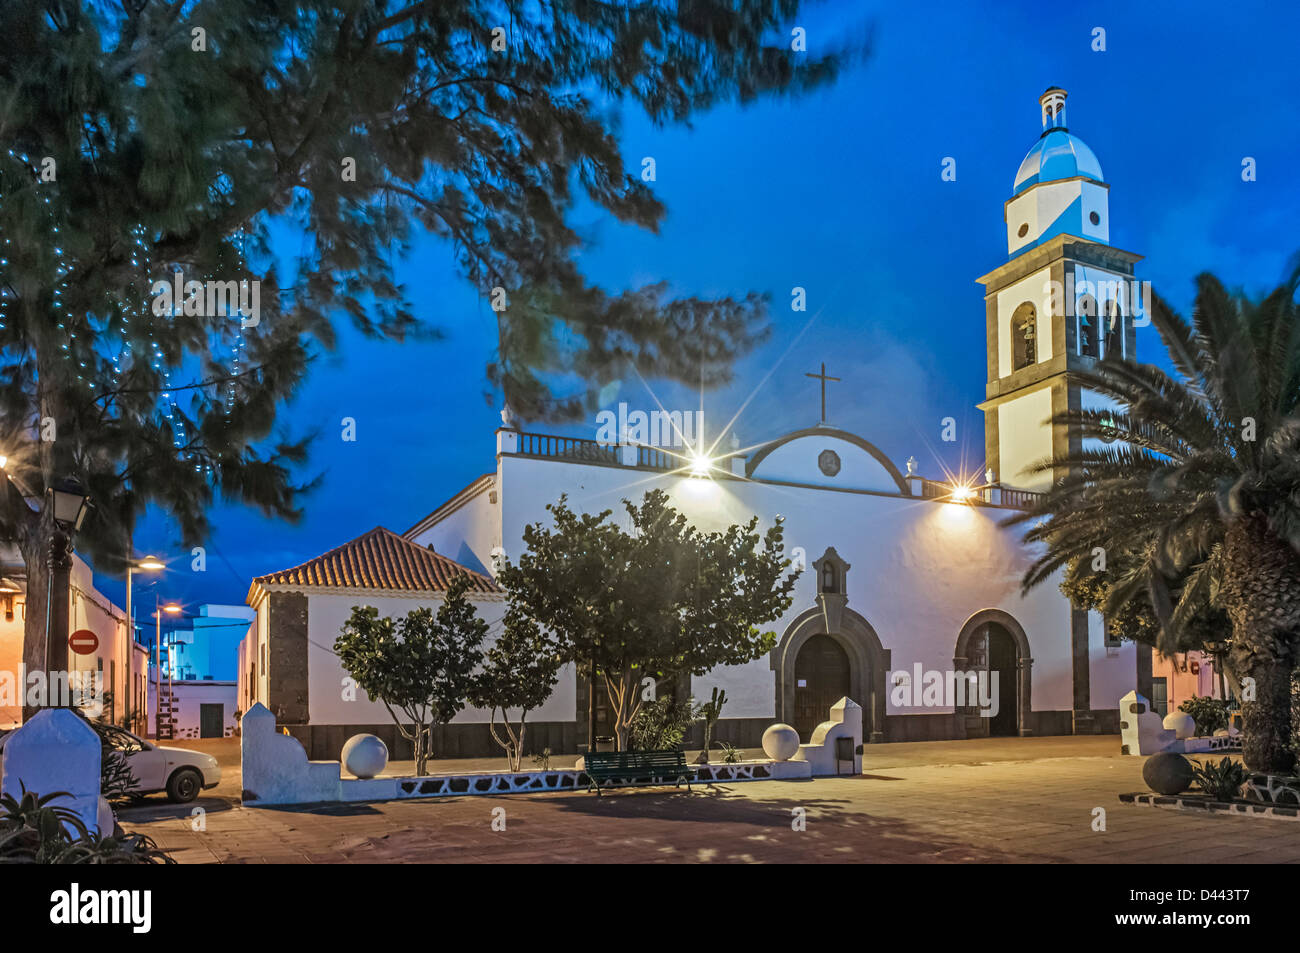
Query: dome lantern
1053, 103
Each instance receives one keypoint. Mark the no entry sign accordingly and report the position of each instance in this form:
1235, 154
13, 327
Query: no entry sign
83, 641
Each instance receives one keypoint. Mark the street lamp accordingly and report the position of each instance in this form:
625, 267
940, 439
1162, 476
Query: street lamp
148, 564
172, 609
68, 504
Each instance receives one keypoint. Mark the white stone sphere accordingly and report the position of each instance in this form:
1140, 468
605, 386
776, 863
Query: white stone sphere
781, 742
1181, 724
365, 755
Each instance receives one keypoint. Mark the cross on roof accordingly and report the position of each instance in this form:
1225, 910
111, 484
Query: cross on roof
823, 378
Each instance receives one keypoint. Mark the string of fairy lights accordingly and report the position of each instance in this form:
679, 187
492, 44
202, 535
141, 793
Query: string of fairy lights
135, 316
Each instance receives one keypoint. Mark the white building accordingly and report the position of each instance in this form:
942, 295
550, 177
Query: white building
903, 577
119, 665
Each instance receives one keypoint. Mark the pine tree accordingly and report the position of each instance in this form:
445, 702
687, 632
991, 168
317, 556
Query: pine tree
144, 139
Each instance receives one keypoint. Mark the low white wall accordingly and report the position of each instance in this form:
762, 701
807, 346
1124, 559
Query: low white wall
188, 696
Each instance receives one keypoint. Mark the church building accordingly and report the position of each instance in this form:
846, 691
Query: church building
907, 579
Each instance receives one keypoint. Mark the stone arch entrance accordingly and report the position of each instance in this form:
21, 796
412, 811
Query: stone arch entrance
993, 641
835, 635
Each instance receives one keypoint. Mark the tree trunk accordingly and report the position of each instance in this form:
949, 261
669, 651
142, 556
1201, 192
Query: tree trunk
623, 706
1261, 595
34, 546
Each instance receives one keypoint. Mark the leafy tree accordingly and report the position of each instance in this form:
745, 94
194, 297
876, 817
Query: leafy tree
660, 600
519, 671
145, 139
422, 665
1203, 484
1127, 610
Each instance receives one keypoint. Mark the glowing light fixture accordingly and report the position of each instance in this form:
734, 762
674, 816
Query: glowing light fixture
171, 608
151, 564
700, 465
962, 493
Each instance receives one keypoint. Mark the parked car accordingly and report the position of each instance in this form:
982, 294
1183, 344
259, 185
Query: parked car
178, 771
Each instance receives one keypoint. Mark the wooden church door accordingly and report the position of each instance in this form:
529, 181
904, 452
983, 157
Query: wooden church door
821, 678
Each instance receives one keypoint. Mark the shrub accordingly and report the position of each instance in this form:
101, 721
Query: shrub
116, 780
730, 753
1210, 714
661, 725
1220, 781
34, 831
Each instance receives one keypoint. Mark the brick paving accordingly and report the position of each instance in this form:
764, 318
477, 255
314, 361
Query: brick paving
1021, 800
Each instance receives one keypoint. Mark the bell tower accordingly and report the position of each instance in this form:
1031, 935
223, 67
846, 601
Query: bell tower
1065, 298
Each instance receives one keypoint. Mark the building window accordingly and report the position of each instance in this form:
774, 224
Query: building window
828, 577
1114, 325
1089, 342
1109, 640
1160, 696
1024, 331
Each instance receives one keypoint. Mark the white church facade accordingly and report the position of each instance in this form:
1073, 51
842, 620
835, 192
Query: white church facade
906, 579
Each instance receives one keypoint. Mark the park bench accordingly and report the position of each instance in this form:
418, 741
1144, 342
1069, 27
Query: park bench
628, 768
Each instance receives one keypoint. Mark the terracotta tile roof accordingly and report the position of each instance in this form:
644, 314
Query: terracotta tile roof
379, 559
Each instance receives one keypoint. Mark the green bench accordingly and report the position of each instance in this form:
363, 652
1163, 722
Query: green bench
628, 768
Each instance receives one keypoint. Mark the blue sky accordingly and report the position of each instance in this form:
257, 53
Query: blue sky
840, 193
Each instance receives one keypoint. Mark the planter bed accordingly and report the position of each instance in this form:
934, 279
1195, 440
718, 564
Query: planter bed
1199, 803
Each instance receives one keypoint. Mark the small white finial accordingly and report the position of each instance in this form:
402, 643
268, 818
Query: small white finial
911, 466
507, 418
989, 476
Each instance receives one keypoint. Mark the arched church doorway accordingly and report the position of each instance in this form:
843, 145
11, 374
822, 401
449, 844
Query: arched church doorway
993, 641
821, 678
1003, 655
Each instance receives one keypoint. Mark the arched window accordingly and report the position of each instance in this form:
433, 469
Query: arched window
1024, 330
828, 577
1114, 325
1089, 340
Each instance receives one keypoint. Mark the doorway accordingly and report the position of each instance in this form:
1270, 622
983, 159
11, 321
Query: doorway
821, 678
212, 720
1003, 656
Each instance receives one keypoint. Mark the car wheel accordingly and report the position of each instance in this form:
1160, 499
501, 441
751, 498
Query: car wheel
184, 786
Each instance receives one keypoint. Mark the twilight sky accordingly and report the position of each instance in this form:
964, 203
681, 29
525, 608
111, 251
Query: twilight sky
840, 193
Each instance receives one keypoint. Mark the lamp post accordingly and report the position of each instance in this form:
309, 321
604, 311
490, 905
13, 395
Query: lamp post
171, 608
68, 504
148, 564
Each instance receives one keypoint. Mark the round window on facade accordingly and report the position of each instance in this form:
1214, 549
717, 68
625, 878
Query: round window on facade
1024, 230
828, 461
1094, 218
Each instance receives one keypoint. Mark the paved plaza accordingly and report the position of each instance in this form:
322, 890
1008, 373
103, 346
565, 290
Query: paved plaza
1015, 800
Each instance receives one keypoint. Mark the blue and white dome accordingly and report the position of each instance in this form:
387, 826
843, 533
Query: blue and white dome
1057, 154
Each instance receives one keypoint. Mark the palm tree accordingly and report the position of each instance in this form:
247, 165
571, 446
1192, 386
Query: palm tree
1200, 491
